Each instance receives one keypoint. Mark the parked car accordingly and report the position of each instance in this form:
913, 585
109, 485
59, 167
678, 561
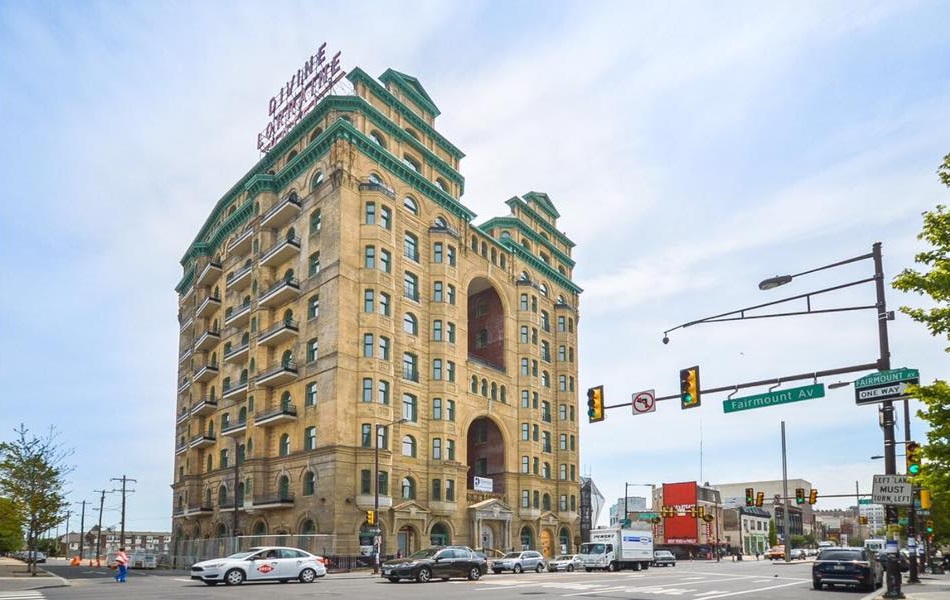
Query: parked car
811, 552
565, 562
663, 558
857, 567
263, 563
516, 562
29, 556
796, 553
775, 553
439, 562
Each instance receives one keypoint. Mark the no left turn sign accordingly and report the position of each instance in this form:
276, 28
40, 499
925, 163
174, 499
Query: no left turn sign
644, 402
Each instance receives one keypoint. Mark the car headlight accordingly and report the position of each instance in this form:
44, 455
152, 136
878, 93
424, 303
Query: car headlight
213, 565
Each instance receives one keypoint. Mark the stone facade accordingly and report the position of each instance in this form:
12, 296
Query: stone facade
340, 292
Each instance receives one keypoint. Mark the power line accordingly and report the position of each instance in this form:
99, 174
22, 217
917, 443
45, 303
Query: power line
124, 480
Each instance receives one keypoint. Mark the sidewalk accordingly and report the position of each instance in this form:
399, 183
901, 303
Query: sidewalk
15, 576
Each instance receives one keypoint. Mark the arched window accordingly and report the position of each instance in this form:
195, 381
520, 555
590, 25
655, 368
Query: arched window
408, 488
309, 483
222, 496
442, 185
409, 446
285, 444
316, 133
292, 155
378, 138
410, 324
207, 496
441, 223
474, 384
412, 163
317, 180
546, 502
283, 487
285, 400
410, 203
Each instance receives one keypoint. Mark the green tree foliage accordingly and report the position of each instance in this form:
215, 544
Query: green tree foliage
934, 282
773, 535
32, 476
11, 526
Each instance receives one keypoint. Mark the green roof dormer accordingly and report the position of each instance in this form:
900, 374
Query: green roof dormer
412, 88
543, 202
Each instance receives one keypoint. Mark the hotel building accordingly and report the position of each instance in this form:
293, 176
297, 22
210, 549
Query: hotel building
344, 320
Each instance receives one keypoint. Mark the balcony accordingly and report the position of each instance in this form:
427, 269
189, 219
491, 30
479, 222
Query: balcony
373, 186
206, 372
202, 440
277, 333
185, 354
281, 252
273, 502
236, 429
185, 321
279, 375
208, 340
239, 279
208, 306
242, 243
283, 212
238, 391
183, 417
184, 385
209, 274
181, 449
280, 293
237, 353
238, 316
284, 414
205, 406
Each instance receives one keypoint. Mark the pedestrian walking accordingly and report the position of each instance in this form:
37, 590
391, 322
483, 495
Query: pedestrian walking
122, 564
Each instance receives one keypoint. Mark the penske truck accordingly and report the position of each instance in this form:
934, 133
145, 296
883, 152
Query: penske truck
617, 548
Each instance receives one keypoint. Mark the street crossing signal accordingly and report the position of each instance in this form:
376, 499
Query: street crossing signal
799, 495
371, 517
689, 388
813, 496
912, 452
759, 498
749, 497
595, 404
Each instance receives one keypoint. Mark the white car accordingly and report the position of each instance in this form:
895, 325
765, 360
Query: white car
263, 563
565, 562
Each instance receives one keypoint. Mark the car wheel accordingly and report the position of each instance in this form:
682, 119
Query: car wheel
539, 568
424, 575
517, 569
474, 573
234, 577
570, 568
496, 571
588, 569
308, 576
612, 567
393, 579
816, 583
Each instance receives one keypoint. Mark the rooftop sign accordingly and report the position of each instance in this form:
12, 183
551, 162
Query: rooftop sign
299, 95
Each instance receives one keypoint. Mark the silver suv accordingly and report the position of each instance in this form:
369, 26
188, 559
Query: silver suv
516, 562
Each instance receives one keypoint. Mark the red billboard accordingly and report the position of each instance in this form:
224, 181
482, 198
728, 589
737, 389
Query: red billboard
682, 528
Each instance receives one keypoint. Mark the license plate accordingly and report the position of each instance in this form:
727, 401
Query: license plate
387, 571
839, 567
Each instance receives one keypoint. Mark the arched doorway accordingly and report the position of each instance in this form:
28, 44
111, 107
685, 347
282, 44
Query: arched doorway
487, 536
564, 540
407, 540
439, 535
486, 455
527, 538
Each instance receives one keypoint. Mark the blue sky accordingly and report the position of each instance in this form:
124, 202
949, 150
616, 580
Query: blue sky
691, 150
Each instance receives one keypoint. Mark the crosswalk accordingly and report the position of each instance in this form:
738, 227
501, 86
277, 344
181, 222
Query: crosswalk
24, 595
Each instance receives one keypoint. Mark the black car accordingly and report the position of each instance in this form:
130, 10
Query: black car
857, 567
439, 562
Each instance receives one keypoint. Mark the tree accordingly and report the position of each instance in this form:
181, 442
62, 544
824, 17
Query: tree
773, 535
934, 283
11, 526
32, 476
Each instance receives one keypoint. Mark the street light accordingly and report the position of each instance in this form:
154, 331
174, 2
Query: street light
376, 538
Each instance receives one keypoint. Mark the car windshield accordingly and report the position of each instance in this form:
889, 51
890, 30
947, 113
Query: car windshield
663, 553
564, 558
425, 553
513, 555
592, 548
842, 555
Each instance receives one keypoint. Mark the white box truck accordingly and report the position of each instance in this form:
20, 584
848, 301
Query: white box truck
615, 548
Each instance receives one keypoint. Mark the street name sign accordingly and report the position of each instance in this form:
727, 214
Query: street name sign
895, 490
885, 385
772, 398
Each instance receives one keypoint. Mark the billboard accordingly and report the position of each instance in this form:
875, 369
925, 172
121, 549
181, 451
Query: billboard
681, 528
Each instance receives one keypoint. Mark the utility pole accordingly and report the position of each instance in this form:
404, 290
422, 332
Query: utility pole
82, 528
68, 512
102, 501
124, 480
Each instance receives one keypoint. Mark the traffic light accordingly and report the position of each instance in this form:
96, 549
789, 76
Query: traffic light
595, 404
371, 517
863, 520
925, 499
813, 496
749, 497
759, 498
799, 495
912, 452
930, 526
689, 388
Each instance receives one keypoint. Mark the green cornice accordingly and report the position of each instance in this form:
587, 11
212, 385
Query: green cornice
411, 86
359, 75
544, 201
523, 227
547, 226
186, 280
539, 265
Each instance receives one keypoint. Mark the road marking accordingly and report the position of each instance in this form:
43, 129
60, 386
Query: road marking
755, 591
24, 595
